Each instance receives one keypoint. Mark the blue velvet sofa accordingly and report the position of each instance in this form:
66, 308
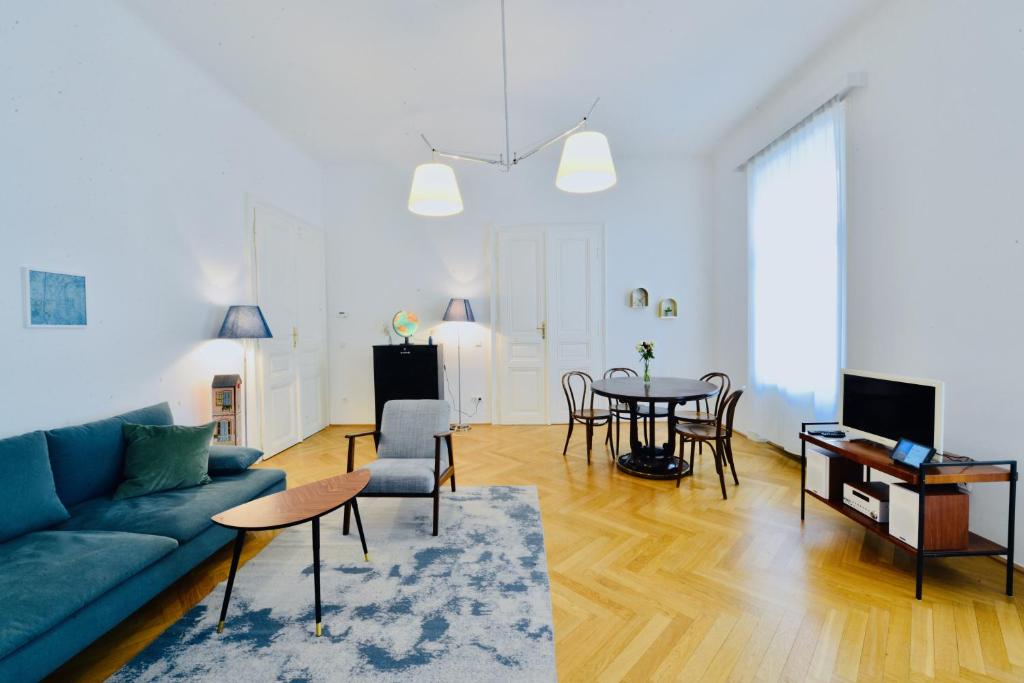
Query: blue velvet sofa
79, 562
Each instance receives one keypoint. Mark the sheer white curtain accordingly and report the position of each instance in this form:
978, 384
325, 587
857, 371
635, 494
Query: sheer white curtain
796, 232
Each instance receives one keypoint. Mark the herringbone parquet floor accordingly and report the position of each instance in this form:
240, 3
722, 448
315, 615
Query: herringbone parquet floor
654, 583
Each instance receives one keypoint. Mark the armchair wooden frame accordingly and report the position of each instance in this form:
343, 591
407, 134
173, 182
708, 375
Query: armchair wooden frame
439, 477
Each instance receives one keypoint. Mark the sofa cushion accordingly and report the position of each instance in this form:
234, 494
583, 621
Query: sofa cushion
232, 459
29, 497
407, 428
180, 514
49, 575
164, 457
156, 414
88, 459
403, 475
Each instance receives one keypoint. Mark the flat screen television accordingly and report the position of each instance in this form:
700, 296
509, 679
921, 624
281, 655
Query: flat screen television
887, 408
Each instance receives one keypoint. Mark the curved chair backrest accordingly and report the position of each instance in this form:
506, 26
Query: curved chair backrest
727, 412
724, 384
577, 382
620, 372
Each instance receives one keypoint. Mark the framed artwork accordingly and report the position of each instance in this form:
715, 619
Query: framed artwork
54, 299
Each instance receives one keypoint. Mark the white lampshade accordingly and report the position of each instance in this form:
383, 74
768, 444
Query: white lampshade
435, 192
586, 164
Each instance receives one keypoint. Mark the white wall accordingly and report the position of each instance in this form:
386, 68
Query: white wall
935, 257
381, 258
123, 161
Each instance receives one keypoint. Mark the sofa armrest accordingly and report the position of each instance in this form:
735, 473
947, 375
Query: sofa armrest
231, 459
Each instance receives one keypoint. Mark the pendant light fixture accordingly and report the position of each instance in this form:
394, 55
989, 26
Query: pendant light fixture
435, 192
586, 165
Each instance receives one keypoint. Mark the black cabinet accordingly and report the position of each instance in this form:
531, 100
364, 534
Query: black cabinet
406, 371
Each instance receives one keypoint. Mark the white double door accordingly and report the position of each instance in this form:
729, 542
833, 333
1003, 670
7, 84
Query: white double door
292, 293
550, 301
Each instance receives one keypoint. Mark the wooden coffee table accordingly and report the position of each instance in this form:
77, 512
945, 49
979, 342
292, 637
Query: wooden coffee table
288, 508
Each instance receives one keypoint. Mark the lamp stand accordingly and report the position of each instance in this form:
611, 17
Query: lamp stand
459, 427
245, 392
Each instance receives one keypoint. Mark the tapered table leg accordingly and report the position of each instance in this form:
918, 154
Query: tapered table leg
316, 572
239, 540
359, 525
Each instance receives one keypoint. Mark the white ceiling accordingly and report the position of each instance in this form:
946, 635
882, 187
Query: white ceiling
362, 78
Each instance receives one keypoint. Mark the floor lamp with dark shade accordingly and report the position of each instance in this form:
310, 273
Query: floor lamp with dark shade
244, 322
459, 311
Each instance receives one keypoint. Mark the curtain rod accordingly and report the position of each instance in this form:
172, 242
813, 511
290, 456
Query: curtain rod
853, 81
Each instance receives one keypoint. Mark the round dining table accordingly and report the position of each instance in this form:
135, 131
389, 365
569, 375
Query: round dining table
651, 461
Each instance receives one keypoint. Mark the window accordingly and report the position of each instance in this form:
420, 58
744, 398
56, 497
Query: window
795, 222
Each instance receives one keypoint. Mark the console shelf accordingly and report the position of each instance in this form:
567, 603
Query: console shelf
976, 545
958, 471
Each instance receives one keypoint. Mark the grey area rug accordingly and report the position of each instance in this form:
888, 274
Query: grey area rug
471, 604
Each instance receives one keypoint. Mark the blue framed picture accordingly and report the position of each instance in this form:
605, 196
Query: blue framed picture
54, 299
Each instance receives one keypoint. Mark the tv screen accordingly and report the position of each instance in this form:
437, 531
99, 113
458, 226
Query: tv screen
890, 409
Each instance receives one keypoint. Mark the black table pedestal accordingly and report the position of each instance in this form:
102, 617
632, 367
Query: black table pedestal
653, 463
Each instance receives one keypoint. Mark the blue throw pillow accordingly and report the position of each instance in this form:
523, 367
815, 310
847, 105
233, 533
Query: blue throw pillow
29, 496
232, 459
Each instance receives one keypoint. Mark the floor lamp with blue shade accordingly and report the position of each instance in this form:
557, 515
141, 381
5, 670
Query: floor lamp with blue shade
459, 311
244, 322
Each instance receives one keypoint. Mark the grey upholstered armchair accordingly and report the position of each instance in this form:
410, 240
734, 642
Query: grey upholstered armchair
414, 453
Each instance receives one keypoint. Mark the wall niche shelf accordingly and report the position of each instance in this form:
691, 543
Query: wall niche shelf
638, 298
668, 308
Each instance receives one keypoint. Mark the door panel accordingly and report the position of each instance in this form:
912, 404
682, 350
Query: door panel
311, 314
552, 277
521, 345
276, 287
292, 366
575, 274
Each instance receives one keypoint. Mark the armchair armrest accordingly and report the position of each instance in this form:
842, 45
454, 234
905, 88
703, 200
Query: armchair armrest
447, 436
351, 461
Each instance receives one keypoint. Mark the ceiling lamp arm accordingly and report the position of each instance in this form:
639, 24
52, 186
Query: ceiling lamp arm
550, 141
462, 157
520, 156
470, 157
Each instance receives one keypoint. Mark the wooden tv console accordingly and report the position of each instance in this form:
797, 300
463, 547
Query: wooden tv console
959, 471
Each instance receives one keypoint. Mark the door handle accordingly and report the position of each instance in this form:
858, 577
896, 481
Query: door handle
295, 337
543, 327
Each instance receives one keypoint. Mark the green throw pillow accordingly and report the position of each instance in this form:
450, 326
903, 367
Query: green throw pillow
160, 458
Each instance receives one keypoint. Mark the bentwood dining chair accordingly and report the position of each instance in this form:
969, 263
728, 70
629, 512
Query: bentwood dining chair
576, 383
710, 405
718, 437
620, 409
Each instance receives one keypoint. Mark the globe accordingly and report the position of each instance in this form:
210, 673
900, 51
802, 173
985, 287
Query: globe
405, 323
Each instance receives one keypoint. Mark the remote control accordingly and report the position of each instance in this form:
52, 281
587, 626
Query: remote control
829, 433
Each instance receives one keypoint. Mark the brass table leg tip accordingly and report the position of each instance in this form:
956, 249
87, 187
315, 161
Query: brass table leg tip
366, 557
220, 627
319, 630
